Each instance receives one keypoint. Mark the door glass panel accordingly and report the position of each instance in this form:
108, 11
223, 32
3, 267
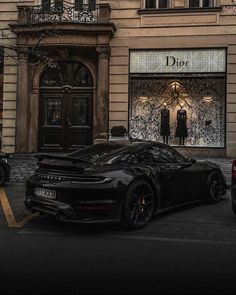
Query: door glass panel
51, 78
79, 112
53, 111
82, 77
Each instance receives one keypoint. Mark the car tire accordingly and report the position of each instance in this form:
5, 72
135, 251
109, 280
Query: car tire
234, 208
139, 205
2, 175
215, 187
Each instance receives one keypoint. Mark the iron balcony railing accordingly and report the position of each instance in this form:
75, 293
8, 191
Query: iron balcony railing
61, 11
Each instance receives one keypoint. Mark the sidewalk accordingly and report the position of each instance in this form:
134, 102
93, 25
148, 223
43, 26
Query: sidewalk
22, 166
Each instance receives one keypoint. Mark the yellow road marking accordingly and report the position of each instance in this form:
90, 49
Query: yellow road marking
9, 215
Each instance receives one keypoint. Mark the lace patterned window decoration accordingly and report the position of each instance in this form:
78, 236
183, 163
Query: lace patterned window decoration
202, 98
178, 61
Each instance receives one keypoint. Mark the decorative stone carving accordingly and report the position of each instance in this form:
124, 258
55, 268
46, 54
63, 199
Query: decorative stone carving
104, 51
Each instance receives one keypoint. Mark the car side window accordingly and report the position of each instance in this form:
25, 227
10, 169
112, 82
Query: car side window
160, 155
166, 155
172, 155
146, 157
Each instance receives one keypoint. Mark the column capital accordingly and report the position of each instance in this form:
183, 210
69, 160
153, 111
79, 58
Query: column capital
103, 51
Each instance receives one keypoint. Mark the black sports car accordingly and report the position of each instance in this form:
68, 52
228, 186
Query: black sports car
127, 183
4, 168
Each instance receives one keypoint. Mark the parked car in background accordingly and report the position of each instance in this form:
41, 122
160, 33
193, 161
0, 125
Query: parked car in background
127, 183
233, 186
4, 168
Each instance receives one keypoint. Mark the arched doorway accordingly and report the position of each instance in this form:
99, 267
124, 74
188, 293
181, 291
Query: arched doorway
65, 107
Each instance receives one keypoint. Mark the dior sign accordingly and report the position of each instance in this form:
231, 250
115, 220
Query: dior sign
174, 61
178, 61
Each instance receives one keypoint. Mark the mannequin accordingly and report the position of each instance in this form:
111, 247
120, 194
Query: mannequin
165, 124
181, 129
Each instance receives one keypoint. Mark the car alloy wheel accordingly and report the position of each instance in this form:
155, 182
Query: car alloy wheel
139, 205
214, 187
2, 175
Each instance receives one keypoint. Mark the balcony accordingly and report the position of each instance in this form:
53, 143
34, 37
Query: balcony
63, 12
63, 24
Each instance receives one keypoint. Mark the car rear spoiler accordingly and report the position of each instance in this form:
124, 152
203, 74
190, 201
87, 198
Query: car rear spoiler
41, 157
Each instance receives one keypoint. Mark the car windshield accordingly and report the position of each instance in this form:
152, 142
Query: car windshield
107, 152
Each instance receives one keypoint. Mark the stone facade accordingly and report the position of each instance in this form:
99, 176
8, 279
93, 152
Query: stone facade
136, 28
166, 30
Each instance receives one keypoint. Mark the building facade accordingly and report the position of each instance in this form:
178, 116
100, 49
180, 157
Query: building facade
85, 66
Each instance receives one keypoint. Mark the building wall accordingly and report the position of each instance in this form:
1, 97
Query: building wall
135, 30
8, 15
169, 30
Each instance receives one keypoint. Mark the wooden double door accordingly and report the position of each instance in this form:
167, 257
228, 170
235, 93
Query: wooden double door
65, 119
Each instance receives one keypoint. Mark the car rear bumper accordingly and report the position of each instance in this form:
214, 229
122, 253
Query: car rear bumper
82, 212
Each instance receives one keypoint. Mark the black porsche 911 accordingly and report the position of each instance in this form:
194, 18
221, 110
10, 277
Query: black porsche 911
126, 183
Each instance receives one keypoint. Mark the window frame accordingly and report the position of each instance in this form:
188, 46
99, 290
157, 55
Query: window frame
186, 6
201, 4
169, 5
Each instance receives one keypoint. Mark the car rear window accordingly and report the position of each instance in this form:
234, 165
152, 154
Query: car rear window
103, 151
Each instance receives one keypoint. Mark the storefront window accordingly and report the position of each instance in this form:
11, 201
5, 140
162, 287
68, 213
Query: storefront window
178, 96
195, 107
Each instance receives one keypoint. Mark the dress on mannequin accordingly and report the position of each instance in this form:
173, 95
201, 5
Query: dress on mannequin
181, 129
165, 124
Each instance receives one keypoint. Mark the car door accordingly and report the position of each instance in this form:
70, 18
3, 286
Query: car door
177, 176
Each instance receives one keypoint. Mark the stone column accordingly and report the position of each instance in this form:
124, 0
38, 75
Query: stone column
101, 127
33, 121
22, 105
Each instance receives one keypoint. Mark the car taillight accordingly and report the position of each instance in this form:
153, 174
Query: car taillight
234, 169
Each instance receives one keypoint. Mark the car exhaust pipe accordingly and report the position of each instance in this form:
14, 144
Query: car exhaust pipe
66, 213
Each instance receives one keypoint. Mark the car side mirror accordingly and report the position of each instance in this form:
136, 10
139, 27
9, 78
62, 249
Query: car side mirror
191, 160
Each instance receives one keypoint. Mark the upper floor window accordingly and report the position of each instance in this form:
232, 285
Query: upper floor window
201, 3
157, 4
90, 4
48, 5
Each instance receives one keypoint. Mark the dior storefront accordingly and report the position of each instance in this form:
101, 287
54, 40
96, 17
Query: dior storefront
178, 96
